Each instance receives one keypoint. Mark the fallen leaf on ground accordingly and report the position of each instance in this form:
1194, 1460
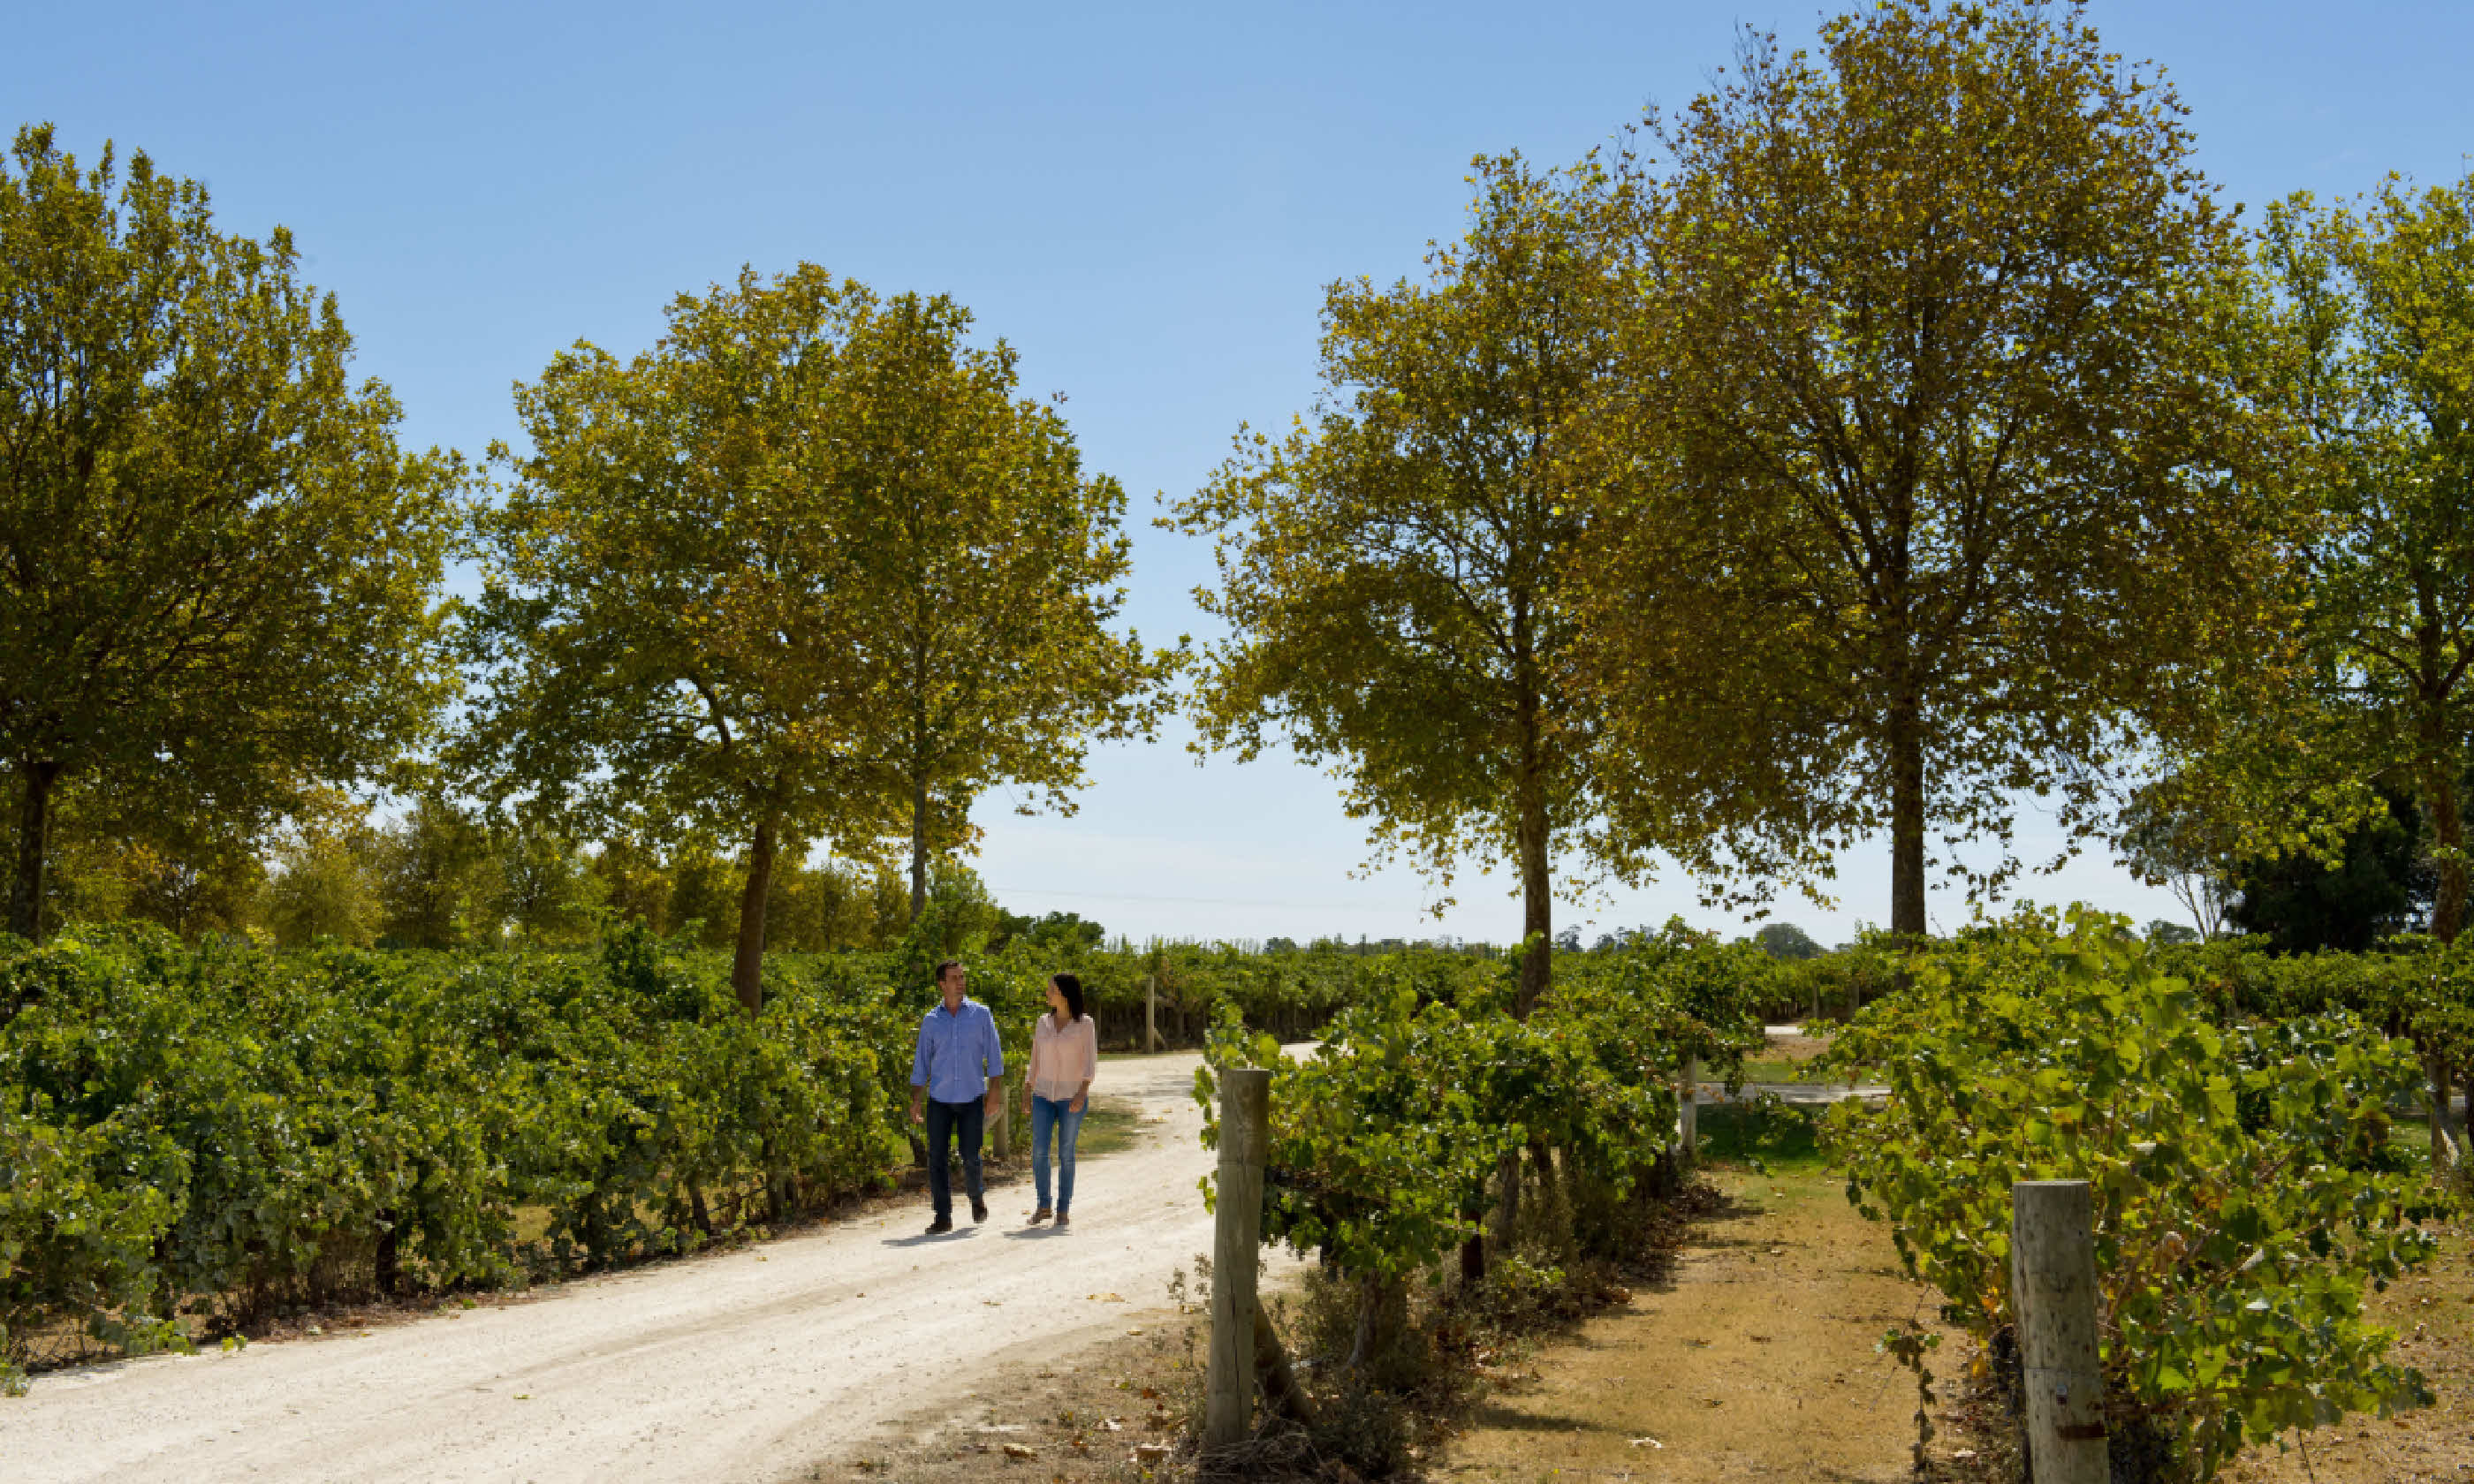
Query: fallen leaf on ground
1017, 1450
1648, 1443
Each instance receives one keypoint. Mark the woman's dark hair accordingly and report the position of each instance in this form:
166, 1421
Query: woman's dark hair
1072, 989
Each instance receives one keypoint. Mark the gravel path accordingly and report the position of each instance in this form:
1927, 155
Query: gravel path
749, 1365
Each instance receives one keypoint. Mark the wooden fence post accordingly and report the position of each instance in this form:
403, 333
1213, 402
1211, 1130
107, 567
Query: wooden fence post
1151, 1013
2052, 1293
2445, 1136
1001, 1137
1244, 1138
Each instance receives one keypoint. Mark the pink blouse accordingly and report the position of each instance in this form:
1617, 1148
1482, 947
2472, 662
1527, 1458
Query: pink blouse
1063, 1058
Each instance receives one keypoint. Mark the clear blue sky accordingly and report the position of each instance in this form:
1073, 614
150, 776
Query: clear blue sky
1146, 200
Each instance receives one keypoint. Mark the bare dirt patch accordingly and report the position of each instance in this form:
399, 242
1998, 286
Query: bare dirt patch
1794, 1048
1107, 1413
1753, 1360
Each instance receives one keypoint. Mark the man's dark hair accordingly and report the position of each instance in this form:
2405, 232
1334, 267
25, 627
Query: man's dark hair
1072, 989
945, 965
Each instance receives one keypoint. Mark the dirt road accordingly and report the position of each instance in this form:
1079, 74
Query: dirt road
741, 1366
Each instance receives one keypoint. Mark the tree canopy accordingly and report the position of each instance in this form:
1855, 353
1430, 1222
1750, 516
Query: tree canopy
2366, 314
669, 636
1390, 570
218, 571
1914, 482
804, 572
996, 567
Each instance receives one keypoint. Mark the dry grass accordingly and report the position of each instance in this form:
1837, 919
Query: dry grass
1754, 1360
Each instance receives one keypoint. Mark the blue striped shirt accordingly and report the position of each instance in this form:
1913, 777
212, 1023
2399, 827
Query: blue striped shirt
957, 1053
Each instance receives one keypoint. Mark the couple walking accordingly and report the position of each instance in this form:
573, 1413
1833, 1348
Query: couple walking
959, 1073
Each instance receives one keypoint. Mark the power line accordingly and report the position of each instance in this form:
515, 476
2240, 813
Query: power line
1208, 901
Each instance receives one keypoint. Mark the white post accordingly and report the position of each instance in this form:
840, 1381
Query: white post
2053, 1295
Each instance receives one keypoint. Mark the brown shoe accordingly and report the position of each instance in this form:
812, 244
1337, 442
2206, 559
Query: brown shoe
1040, 1216
1064, 1220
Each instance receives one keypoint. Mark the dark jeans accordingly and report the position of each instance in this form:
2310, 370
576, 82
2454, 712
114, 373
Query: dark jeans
944, 1121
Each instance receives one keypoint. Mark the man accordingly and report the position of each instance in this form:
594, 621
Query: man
960, 1070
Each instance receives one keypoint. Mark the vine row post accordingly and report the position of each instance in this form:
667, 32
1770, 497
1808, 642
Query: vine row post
1151, 1013
1687, 1110
2052, 1286
1245, 1139
1001, 1135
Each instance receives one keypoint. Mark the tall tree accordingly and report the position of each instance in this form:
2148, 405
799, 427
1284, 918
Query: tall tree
1914, 473
541, 885
2374, 309
1392, 571
217, 568
673, 630
997, 566
2169, 840
435, 874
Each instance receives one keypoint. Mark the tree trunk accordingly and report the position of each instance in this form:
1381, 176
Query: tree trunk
1507, 1210
2448, 827
386, 1265
1906, 743
748, 970
1537, 887
1374, 1296
34, 849
918, 846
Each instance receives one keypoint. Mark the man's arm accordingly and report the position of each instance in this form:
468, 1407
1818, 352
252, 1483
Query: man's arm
995, 1062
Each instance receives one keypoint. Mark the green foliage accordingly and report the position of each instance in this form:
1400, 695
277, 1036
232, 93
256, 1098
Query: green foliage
2363, 324
1909, 484
1785, 939
806, 570
2246, 1191
243, 1130
2370, 880
222, 569
77, 1233
1392, 569
1383, 1141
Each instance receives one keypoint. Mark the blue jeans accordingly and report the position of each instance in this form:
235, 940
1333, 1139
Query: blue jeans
1047, 1113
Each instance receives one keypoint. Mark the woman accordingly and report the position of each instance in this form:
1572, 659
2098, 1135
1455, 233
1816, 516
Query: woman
1064, 1057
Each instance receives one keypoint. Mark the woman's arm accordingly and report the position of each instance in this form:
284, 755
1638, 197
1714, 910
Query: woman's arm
1090, 1059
